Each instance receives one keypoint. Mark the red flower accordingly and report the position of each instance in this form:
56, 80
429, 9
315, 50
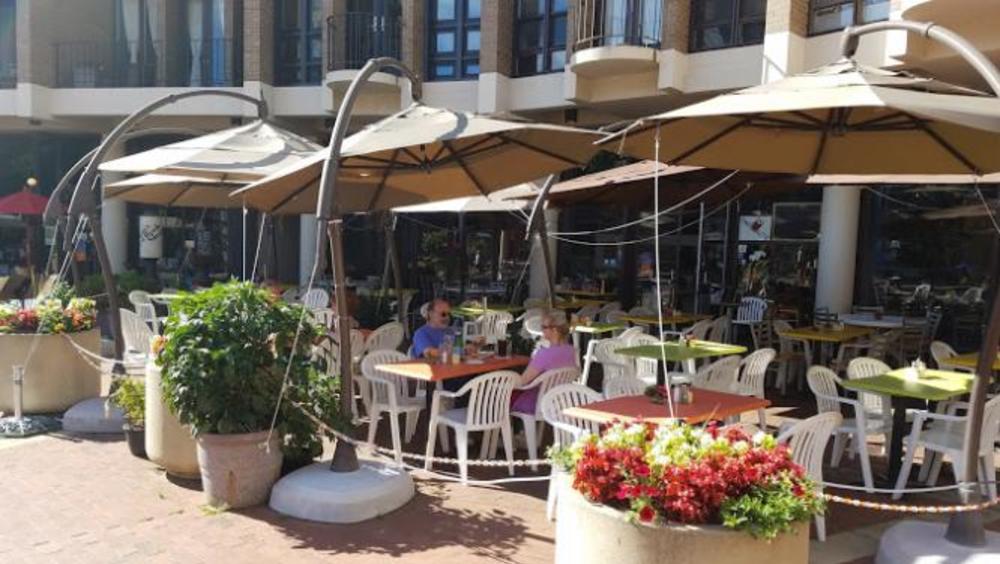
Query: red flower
647, 514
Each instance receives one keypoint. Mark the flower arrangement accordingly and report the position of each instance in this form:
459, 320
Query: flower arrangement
49, 316
675, 473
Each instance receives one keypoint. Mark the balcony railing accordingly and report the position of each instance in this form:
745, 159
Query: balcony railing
107, 64
356, 37
8, 75
601, 23
214, 62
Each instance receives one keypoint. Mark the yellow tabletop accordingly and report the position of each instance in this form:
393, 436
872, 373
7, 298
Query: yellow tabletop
585, 294
577, 304
826, 335
596, 328
930, 385
675, 318
969, 360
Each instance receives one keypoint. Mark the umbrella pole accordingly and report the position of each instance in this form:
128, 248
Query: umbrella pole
537, 226
108, 276
698, 258
463, 260
345, 457
397, 273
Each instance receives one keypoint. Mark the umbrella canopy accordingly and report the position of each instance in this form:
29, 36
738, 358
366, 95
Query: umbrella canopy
424, 154
842, 118
23, 203
244, 153
469, 204
179, 191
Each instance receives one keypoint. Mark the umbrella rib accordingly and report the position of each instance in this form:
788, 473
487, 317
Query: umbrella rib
712, 139
822, 140
947, 146
469, 150
539, 150
295, 193
809, 118
178, 196
785, 123
878, 120
465, 169
382, 181
466, 153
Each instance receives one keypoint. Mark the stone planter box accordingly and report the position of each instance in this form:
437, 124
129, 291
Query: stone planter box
235, 470
169, 444
57, 376
588, 533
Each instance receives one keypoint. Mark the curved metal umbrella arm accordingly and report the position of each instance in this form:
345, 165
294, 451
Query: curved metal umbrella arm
986, 69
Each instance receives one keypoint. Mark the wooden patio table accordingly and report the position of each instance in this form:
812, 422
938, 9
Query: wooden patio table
825, 336
476, 311
586, 294
969, 360
434, 372
674, 319
707, 405
678, 351
908, 389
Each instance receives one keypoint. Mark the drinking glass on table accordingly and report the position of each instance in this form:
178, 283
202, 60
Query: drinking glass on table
502, 345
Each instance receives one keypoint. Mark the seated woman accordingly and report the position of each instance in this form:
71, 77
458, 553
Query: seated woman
559, 354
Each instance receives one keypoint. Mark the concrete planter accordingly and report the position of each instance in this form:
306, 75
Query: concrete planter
236, 471
56, 378
169, 444
589, 533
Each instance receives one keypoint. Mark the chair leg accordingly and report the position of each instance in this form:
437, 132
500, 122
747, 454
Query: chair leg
781, 381
925, 466
936, 469
904, 472
990, 476
431, 439
443, 437
531, 438
762, 419
550, 502
397, 447
839, 441
494, 442
866, 463
373, 419
508, 444
462, 444
484, 445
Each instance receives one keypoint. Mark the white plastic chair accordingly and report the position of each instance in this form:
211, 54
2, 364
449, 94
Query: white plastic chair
948, 440
533, 422
328, 349
611, 362
388, 336
137, 336
323, 316
718, 330
290, 295
628, 336
807, 441
533, 327
316, 298
876, 405
719, 376
752, 374
588, 311
824, 384
606, 309
492, 326
646, 369
618, 385
640, 310
751, 310
942, 353
389, 394
791, 355
144, 306
488, 410
565, 429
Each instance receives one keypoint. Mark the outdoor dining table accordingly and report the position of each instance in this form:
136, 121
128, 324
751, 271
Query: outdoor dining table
908, 388
674, 319
707, 405
473, 311
825, 336
568, 305
433, 372
873, 321
970, 360
683, 352
594, 294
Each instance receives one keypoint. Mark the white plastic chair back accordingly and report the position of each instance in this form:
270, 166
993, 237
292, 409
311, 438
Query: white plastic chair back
560, 398
700, 329
589, 311
751, 310
629, 335
330, 349
606, 308
613, 316
753, 372
867, 367
824, 384
604, 352
807, 441
136, 297
387, 337
718, 330
720, 376
990, 428
317, 298
640, 310
618, 385
136, 333
493, 325
533, 327
553, 378
425, 309
489, 399
386, 388
942, 353
645, 368
290, 295
323, 316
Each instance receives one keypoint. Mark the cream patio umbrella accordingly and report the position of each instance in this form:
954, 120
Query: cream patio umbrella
239, 154
424, 154
844, 118
175, 191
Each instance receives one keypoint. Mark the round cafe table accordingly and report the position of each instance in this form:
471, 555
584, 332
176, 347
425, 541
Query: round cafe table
883, 322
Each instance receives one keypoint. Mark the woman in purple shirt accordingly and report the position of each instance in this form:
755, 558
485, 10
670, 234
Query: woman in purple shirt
559, 354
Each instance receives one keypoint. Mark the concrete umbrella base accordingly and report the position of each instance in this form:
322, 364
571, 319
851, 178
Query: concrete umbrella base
94, 415
315, 493
921, 542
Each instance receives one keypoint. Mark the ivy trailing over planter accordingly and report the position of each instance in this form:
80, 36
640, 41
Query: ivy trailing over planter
224, 354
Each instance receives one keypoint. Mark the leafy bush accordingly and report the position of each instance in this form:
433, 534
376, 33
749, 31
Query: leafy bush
224, 354
130, 395
676, 473
49, 316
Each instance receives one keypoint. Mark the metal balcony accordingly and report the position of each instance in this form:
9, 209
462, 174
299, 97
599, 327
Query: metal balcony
615, 37
107, 64
356, 37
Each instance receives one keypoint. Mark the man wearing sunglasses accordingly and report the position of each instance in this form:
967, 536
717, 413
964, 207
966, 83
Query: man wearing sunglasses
428, 339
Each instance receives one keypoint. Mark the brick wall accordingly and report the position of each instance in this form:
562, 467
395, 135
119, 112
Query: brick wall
676, 24
258, 40
414, 14
788, 15
496, 43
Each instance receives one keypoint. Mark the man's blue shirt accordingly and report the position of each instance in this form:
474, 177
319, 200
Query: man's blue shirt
428, 336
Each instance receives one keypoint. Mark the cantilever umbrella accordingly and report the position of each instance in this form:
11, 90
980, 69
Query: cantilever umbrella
239, 154
841, 118
424, 154
175, 191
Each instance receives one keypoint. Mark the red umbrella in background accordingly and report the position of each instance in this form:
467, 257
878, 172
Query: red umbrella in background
25, 204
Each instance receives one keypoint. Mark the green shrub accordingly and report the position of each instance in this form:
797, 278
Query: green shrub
130, 396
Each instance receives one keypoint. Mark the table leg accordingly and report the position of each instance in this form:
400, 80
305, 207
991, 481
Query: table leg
899, 405
587, 361
431, 386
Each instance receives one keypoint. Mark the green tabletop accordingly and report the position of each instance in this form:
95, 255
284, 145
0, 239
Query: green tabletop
675, 351
598, 328
476, 311
932, 385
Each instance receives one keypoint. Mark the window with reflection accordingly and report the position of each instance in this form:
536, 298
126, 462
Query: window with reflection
718, 24
834, 15
540, 37
453, 39
8, 43
299, 42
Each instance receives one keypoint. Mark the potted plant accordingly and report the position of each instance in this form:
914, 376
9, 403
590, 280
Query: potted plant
130, 395
236, 361
639, 491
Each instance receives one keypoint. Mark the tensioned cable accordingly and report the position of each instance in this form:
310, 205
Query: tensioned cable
260, 240
187, 254
893, 199
657, 215
659, 282
989, 210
